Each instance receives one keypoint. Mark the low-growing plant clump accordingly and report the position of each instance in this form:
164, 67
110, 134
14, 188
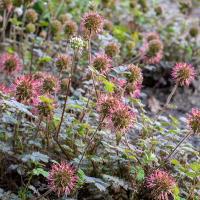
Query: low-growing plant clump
79, 89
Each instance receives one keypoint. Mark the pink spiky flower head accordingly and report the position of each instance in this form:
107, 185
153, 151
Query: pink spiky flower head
112, 49
92, 23
10, 63
102, 63
106, 104
121, 118
183, 74
31, 15
70, 28
50, 84
27, 90
62, 178
63, 61
152, 52
4, 89
194, 120
133, 89
160, 185
135, 74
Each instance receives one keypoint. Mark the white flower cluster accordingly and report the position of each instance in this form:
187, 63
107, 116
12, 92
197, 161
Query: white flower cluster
77, 43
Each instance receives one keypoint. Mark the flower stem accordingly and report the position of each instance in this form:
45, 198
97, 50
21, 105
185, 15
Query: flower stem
90, 62
43, 195
90, 141
66, 98
64, 108
171, 95
177, 146
167, 103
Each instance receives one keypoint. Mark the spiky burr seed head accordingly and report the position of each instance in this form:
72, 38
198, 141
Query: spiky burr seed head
63, 61
70, 28
31, 15
92, 23
121, 118
135, 74
56, 27
160, 184
27, 90
194, 121
183, 74
102, 63
112, 49
62, 178
10, 63
50, 84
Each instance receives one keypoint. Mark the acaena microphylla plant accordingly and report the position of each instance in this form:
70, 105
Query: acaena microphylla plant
56, 27
92, 23
31, 16
106, 103
50, 84
102, 63
112, 49
134, 80
134, 74
152, 51
105, 106
183, 74
194, 120
62, 178
27, 90
63, 62
122, 117
160, 185
70, 28
10, 63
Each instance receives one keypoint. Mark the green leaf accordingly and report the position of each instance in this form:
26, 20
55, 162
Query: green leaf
176, 192
40, 171
195, 166
10, 50
81, 176
44, 59
191, 174
15, 22
120, 32
175, 162
108, 85
140, 174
